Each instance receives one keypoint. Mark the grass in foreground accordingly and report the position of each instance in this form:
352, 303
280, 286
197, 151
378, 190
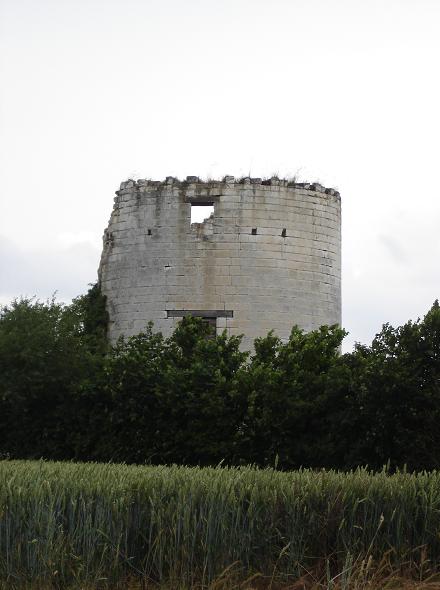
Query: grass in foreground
97, 526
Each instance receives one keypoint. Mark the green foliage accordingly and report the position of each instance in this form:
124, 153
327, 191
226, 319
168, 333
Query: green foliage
178, 398
48, 352
207, 404
90, 311
194, 398
41, 361
289, 391
396, 391
134, 384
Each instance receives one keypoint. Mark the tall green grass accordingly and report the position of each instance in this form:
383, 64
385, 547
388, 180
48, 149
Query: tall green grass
93, 523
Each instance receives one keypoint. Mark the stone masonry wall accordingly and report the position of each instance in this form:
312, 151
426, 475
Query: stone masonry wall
268, 258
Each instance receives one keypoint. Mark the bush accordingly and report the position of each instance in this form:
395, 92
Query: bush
199, 400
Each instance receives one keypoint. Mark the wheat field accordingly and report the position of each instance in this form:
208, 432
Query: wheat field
98, 525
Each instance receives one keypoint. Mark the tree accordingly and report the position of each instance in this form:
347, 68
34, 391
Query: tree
195, 398
92, 316
41, 360
290, 391
396, 383
48, 353
206, 402
133, 387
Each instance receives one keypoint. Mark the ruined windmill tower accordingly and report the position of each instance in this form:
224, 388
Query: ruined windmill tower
268, 258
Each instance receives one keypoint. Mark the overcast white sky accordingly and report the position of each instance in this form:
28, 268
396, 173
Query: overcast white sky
346, 92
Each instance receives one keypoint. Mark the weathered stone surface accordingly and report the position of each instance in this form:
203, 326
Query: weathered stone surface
155, 264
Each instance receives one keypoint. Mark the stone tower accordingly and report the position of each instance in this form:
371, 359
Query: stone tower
269, 257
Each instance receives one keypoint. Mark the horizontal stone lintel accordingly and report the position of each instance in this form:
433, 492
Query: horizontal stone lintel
200, 313
207, 200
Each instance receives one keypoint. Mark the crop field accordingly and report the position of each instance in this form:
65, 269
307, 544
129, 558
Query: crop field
71, 525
